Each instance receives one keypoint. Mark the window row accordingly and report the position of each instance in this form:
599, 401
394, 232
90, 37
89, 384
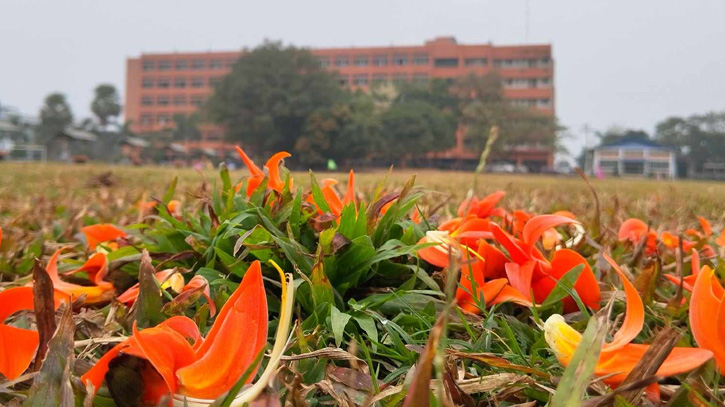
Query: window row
527, 83
375, 79
522, 63
539, 103
178, 100
374, 60
183, 64
193, 82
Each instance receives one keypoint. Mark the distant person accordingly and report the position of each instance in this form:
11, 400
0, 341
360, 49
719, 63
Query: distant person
331, 165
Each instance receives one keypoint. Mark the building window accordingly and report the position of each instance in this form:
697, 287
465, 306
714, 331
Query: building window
343, 80
323, 61
180, 100
609, 166
147, 101
400, 59
230, 62
446, 62
215, 64
164, 65
197, 82
400, 78
147, 83
163, 119
214, 80
162, 101
180, 83
659, 166
379, 78
148, 65
380, 60
543, 103
362, 60
361, 80
197, 100
544, 62
634, 167
163, 83
147, 120
342, 61
420, 59
544, 83
181, 65
420, 77
476, 61
198, 64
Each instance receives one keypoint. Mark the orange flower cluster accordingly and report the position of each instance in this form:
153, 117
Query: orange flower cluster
522, 273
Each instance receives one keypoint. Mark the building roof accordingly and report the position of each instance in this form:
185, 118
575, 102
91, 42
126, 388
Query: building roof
136, 142
7, 126
628, 142
78, 134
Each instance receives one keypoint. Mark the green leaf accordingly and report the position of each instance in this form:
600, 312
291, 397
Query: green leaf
295, 215
573, 384
338, 320
169, 195
564, 286
149, 294
367, 324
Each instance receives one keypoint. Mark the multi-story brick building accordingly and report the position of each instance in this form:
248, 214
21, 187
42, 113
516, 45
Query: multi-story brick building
161, 85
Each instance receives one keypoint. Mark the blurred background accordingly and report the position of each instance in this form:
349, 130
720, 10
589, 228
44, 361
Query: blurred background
618, 88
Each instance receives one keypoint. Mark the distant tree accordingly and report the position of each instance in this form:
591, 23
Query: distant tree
266, 99
482, 106
614, 134
699, 139
413, 128
348, 131
186, 127
55, 115
106, 104
436, 92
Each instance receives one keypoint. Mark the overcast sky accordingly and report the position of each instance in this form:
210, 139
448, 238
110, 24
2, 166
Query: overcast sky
618, 62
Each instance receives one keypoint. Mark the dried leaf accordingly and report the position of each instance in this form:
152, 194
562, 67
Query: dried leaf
651, 361
419, 390
44, 309
52, 386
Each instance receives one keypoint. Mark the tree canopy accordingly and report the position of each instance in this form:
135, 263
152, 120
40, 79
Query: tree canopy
106, 103
55, 115
266, 99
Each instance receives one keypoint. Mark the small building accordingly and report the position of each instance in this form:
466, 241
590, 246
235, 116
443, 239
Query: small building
71, 144
632, 157
132, 149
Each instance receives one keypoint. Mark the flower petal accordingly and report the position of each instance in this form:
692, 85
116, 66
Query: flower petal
166, 349
275, 181
253, 169
537, 225
705, 310
17, 350
586, 286
237, 336
519, 276
349, 197
634, 315
102, 232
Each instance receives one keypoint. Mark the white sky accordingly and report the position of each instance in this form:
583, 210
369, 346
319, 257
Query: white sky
618, 62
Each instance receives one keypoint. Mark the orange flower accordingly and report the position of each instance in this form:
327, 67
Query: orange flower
634, 230
618, 357
705, 225
168, 279
101, 233
481, 208
207, 367
96, 267
721, 239
17, 345
688, 281
257, 175
333, 201
707, 314
532, 271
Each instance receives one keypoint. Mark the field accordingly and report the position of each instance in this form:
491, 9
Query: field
29, 188
556, 292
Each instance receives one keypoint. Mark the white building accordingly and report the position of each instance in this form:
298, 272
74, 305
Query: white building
633, 157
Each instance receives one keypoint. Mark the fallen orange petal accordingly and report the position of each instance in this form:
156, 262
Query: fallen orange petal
705, 225
633, 230
167, 350
634, 314
706, 310
586, 286
537, 225
101, 232
238, 334
519, 276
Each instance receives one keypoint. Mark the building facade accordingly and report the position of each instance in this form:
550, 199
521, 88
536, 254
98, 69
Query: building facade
158, 86
628, 157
